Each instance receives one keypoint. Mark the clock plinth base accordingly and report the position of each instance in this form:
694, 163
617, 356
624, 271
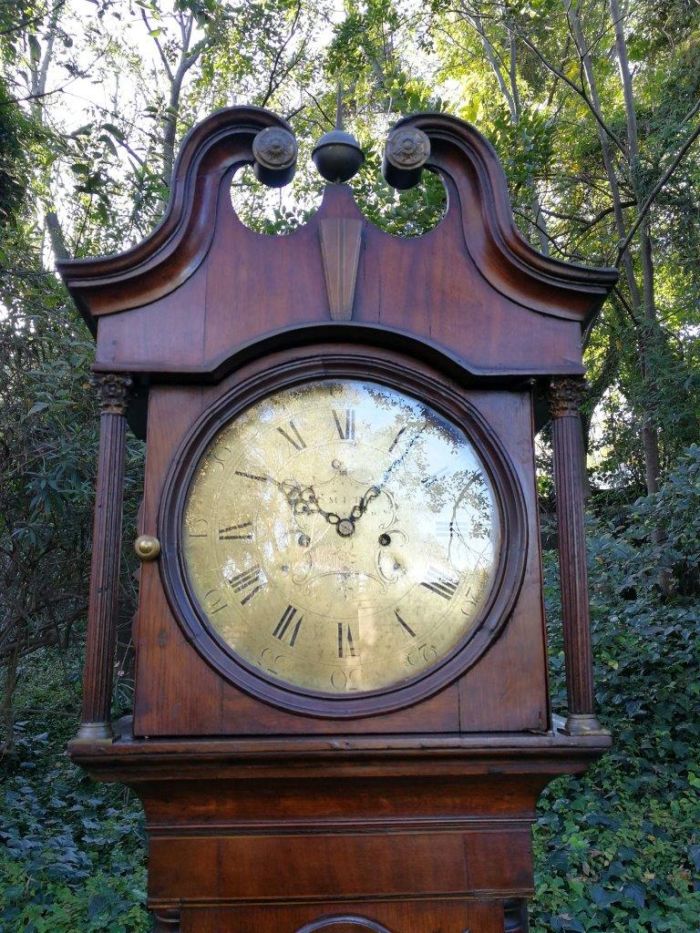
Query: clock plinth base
397, 833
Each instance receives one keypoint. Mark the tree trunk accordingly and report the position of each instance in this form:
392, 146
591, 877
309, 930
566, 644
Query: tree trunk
7, 709
650, 435
641, 300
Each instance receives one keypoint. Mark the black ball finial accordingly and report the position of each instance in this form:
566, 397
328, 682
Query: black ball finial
337, 156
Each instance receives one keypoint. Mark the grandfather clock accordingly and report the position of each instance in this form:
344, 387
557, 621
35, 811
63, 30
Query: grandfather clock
341, 717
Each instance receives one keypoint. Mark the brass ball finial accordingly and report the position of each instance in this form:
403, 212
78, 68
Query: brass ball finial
147, 548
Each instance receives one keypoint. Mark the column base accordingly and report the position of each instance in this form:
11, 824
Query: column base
583, 724
95, 732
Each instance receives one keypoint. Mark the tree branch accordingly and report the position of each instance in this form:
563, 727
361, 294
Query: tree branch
574, 87
31, 20
644, 209
164, 60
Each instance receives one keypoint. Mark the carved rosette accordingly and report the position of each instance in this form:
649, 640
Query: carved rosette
275, 154
275, 148
406, 152
566, 393
408, 148
114, 391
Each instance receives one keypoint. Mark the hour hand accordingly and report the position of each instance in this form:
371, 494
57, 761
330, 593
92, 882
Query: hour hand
359, 510
301, 500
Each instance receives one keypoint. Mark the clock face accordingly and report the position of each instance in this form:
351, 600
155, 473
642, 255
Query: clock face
341, 537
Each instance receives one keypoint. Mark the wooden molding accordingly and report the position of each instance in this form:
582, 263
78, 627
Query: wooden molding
171, 254
221, 143
505, 258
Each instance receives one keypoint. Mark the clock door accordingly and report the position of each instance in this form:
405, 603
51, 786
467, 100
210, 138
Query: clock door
344, 547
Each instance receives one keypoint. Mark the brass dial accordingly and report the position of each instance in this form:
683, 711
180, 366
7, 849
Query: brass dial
341, 536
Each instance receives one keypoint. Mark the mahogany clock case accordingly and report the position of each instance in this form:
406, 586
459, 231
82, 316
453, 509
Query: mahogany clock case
220, 695
267, 810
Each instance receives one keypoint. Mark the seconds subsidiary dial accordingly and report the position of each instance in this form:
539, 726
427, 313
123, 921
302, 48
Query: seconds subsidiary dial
341, 536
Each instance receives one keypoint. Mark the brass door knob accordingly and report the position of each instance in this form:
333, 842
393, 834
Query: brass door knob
147, 547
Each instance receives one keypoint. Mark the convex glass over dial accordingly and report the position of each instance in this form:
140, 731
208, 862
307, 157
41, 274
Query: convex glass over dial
341, 536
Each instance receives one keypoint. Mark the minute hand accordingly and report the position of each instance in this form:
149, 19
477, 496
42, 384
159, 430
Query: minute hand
399, 460
374, 491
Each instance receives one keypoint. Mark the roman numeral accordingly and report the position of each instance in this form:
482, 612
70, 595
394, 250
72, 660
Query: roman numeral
345, 424
445, 529
249, 582
297, 441
346, 646
404, 624
440, 584
287, 628
242, 532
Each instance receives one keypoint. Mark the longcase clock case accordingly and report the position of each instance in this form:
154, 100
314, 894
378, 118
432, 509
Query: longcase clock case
405, 809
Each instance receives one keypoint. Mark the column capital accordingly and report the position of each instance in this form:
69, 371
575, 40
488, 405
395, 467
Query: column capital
566, 393
113, 389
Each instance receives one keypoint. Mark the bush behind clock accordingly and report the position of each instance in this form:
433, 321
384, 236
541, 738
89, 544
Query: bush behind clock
617, 850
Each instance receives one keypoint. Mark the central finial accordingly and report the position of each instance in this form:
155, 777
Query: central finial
337, 155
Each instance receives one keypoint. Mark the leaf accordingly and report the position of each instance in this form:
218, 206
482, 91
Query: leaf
37, 407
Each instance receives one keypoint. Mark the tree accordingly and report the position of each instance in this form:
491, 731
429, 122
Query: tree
600, 192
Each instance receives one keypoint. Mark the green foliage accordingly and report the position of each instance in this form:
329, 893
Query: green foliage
618, 850
15, 132
72, 855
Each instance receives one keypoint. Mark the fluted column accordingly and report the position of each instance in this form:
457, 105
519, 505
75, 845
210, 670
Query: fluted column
106, 550
566, 393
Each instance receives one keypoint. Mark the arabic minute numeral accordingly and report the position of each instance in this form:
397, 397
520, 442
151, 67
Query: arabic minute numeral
422, 654
214, 601
445, 529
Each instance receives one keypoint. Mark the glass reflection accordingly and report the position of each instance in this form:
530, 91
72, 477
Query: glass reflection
341, 536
